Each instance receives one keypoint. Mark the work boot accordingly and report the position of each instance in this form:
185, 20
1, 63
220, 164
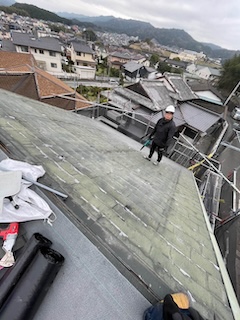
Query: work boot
147, 158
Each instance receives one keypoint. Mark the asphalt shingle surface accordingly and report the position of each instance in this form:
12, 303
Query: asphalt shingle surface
150, 218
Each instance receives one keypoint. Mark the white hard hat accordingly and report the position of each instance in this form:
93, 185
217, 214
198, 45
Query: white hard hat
170, 109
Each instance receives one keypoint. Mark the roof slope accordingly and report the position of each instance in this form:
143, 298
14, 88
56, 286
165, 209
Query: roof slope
150, 219
27, 39
81, 46
182, 91
16, 61
17, 69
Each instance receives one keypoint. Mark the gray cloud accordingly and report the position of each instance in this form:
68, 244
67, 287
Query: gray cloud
215, 21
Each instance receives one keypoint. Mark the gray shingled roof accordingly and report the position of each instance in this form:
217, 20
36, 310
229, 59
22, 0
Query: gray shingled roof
183, 91
123, 55
158, 94
150, 219
132, 66
80, 46
198, 117
26, 39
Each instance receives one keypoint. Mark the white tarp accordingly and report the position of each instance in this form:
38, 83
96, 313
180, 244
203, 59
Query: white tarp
31, 205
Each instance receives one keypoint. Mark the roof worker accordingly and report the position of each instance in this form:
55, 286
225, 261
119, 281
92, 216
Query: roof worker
162, 134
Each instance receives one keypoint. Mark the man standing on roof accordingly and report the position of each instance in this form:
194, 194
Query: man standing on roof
162, 134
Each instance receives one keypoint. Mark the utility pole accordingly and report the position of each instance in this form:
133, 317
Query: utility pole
228, 99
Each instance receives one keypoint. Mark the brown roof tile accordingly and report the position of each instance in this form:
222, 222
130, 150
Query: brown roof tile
47, 86
16, 60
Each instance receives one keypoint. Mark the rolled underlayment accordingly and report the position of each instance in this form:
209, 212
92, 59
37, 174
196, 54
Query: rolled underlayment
13, 274
29, 289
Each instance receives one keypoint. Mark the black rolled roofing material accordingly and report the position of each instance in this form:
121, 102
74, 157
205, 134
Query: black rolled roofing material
13, 274
26, 297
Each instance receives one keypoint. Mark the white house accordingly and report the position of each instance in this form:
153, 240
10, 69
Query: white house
203, 72
83, 58
47, 51
208, 73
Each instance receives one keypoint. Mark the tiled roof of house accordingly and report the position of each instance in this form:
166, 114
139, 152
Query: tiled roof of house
156, 92
14, 61
197, 117
182, 91
132, 66
14, 68
149, 219
26, 39
123, 55
80, 46
203, 85
7, 45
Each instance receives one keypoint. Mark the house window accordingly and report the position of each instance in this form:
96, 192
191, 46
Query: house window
35, 50
24, 49
52, 53
78, 53
41, 51
53, 65
85, 64
190, 133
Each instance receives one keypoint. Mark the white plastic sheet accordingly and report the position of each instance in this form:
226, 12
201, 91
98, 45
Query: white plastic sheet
31, 205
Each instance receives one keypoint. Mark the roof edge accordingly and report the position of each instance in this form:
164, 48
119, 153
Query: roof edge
235, 308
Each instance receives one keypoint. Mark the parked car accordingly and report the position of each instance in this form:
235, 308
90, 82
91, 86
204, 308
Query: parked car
114, 81
235, 114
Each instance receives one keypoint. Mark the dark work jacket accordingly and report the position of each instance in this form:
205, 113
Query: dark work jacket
163, 132
168, 310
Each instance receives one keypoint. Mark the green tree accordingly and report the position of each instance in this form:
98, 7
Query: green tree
154, 59
121, 80
114, 72
89, 35
163, 67
230, 74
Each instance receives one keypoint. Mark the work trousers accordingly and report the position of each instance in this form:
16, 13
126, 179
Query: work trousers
159, 151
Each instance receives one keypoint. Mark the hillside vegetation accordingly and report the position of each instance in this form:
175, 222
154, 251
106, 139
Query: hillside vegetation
169, 37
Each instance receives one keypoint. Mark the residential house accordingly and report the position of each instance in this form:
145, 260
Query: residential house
204, 72
208, 73
206, 91
188, 55
142, 105
135, 71
176, 64
83, 58
47, 51
19, 73
117, 59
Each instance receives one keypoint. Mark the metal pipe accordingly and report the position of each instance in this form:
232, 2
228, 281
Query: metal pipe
234, 205
47, 188
211, 165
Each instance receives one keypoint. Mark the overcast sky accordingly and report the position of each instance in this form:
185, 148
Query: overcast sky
214, 21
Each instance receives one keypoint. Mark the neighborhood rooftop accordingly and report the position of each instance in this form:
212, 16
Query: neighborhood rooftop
149, 221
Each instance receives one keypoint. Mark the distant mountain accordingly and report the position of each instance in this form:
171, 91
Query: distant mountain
169, 37
212, 46
37, 13
81, 17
